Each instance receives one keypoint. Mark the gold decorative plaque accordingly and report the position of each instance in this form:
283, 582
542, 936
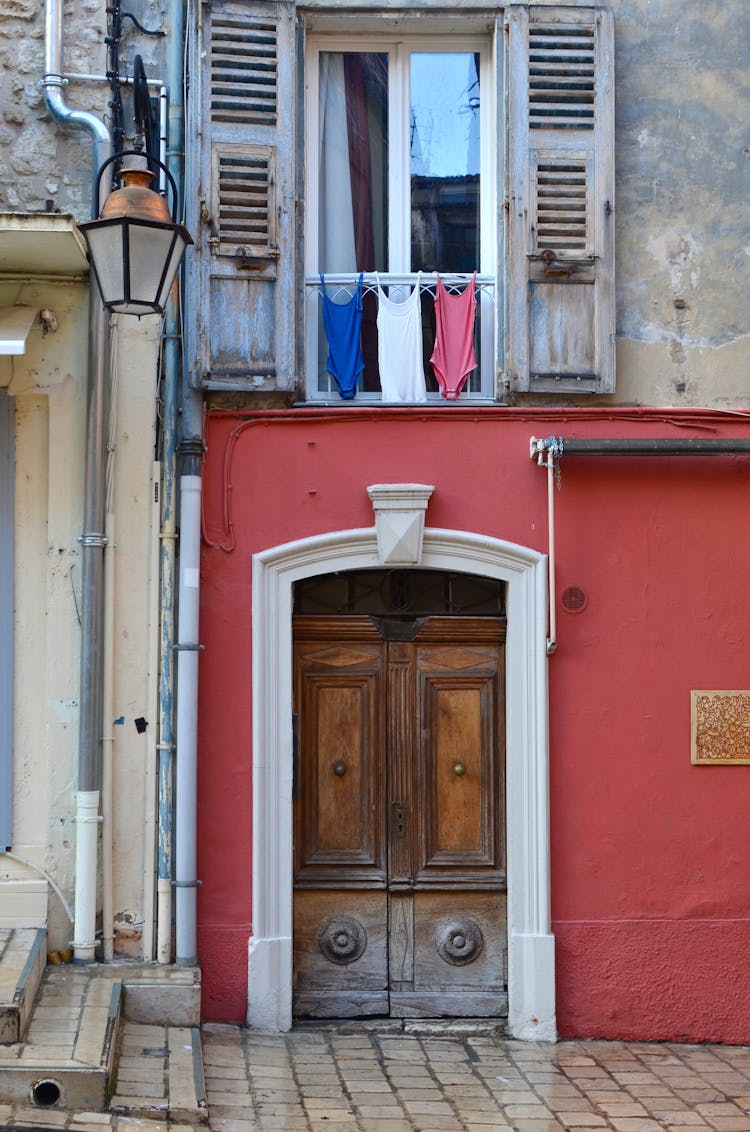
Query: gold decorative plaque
719, 728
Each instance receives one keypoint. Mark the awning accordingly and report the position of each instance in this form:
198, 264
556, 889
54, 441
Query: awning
41, 244
15, 327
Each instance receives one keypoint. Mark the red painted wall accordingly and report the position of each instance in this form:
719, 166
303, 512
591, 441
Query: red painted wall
650, 890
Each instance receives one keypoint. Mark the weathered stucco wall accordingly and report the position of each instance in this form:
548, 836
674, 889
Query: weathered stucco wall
48, 387
683, 206
682, 173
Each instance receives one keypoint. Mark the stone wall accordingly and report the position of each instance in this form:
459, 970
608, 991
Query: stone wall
44, 167
682, 170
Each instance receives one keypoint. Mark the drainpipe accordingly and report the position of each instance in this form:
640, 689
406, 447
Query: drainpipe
108, 668
187, 648
92, 540
172, 361
165, 746
634, 446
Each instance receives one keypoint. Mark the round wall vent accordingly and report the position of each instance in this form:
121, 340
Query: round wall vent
573, 599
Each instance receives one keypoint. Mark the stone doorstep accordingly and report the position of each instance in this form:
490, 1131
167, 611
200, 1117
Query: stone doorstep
175, 1003
23, 956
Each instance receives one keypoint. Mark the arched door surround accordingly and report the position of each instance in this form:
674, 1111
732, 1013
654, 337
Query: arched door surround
531, 973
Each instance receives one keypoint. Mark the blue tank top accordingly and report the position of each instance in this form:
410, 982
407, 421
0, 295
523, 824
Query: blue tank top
343, 326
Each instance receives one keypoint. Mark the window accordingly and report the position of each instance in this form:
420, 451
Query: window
399, 154
484, 144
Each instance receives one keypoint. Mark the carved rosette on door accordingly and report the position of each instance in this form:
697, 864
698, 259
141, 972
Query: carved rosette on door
399, 897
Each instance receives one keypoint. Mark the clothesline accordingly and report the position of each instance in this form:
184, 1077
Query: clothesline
454, 282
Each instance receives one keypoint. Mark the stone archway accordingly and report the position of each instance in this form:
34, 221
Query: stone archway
530, 942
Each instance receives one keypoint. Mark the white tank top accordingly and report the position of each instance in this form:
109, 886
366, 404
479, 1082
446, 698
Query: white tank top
400, 347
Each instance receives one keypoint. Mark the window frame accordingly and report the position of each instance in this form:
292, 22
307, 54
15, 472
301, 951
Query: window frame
399, 45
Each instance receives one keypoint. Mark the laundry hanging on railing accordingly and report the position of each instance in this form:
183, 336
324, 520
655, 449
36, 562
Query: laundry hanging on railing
400, 348
453, 356
343, 326
400, 338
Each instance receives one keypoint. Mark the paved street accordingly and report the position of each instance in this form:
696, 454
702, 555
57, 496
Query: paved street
381, 1081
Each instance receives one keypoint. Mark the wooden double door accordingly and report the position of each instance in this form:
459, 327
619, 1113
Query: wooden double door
399, 862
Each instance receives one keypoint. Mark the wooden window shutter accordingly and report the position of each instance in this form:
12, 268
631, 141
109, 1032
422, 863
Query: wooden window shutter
561, 304
245, 334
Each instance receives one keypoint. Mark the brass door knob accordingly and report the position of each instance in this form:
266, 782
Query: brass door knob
459, 770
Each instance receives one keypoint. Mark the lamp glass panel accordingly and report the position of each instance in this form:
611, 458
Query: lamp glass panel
149, 248
105, 248
174, 262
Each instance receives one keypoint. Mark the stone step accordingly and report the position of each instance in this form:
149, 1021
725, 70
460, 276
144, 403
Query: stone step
66, 1057
159, 1074
22, 961
160, 995
87, 1049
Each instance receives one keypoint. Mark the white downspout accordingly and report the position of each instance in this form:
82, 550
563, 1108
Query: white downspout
92, 540
186, 791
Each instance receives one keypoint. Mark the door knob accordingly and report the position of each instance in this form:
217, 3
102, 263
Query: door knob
339, 769
459, 770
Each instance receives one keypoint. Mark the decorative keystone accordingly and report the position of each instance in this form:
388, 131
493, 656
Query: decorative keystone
399, 521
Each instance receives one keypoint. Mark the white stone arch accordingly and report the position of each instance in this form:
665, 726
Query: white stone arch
531, 974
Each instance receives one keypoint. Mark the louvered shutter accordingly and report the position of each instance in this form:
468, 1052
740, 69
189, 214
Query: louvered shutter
243, 112
561, 302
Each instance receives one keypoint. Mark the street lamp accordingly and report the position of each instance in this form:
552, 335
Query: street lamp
135, 247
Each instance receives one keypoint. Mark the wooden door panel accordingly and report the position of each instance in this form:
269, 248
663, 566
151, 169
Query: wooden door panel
459, 827
336, 771
339, 824
458, 952
459, 706
340, 953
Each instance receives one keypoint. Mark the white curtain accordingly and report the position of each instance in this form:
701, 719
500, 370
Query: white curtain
336, 248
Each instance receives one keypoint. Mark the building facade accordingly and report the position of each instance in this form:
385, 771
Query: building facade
460, 721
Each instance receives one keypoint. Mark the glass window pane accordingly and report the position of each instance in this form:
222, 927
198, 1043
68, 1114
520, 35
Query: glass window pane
444, 153
353, 162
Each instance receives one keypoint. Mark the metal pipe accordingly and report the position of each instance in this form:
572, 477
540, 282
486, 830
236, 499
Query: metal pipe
641, 446
108, 740
150, 794
169, 471
187, 722
165, 746
552, 471
92, 539
53, 81
108, 674
191, 449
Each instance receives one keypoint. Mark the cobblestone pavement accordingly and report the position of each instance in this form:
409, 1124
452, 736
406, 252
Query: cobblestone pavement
372, 1080
380, 1079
